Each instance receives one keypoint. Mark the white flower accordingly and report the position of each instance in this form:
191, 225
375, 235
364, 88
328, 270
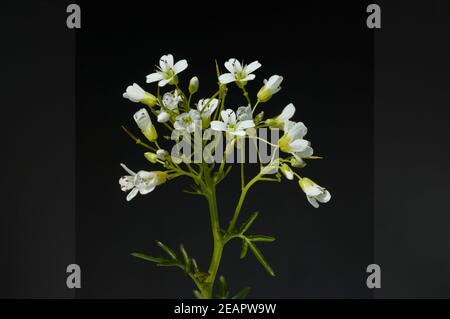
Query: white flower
283, 118
170, 102
270, 87
144, 122
167, 71
207, 108
136, 94
187, 121
231, 124
238, 73
292, 141
314, 193
141, 182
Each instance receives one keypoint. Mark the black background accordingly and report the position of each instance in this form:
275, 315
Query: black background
334, 72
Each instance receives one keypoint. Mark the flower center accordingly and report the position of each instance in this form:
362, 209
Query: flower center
168, 74
241, 75
186, 121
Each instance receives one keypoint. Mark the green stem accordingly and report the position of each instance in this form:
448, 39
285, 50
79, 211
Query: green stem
241, 201
210, 192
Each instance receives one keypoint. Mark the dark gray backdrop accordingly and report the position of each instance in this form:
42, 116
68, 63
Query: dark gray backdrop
326, 55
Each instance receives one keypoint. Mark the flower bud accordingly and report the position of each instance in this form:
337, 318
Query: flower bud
259, 117
136, 94
287, 171
144, 122
163, 117
297, 162
151, 133
270, 87
151, 157
162, 154
193, 85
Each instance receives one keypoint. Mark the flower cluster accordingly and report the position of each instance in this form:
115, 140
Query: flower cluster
174, 109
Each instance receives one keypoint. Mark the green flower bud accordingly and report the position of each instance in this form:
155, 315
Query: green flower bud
151, 157
150, 133
264, 94
193, 85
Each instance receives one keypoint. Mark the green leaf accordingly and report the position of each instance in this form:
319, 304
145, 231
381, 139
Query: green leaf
167, 250
194, 264
243, 293
260, 257
246, 225
244, 249
148, 258
187, 261
170, 263
197, 294
223, 292
264, 238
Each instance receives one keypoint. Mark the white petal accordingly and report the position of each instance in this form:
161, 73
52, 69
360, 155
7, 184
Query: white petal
249, 77
180, 66
245, 124
125, 95
166, 62
225, 114
154, 77
288, 125
147, 188
272, 81
313, 191
287, 112
299, 145
231, 117
298, 130
227, 78
252, 67
229, 65
308, 151
313, 201
142, 119
163, 82
132, 194
218, 126
129, 171
237, 65
324, 197
238, 133
126, 183
213, 105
